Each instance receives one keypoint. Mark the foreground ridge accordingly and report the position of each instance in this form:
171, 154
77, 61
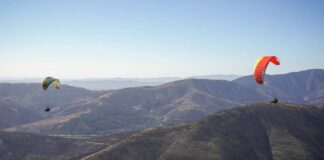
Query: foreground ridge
258, 131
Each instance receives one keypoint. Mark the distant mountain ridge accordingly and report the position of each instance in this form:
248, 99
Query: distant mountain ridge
119, 83
80, 111
296, 87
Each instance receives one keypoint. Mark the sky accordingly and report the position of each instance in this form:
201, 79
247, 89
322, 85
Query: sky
151, 38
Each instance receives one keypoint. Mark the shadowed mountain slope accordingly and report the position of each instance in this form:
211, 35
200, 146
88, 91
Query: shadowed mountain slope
12, 114
15, 146
21, 103
259, 131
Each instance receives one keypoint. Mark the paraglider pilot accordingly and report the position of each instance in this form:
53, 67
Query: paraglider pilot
47, 109
275, 100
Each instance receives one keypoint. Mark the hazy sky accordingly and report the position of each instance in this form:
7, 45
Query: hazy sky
103, 38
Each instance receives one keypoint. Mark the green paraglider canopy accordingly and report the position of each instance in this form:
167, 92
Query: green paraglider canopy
50, 81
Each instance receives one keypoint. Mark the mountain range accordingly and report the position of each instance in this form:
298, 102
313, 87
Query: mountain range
190, 119
296, 87
118, 83
81, 111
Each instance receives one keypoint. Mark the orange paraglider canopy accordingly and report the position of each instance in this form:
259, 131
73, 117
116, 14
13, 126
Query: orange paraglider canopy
261, 66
